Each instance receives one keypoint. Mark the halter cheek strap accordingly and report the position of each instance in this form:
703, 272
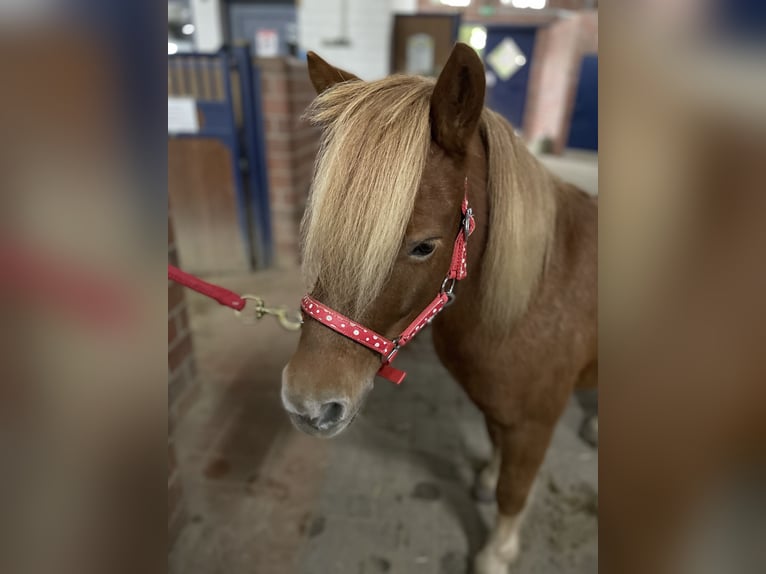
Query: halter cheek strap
388, 348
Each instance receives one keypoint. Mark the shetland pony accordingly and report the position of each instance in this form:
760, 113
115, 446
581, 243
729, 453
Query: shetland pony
383, 212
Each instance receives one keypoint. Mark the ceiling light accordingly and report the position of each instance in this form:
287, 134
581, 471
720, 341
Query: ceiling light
478, 38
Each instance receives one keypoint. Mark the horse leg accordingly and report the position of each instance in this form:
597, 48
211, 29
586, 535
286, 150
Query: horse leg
587, 395
589, 427
522, 450
486, 482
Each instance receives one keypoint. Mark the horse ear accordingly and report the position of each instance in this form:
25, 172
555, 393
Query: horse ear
457, 99
324, 75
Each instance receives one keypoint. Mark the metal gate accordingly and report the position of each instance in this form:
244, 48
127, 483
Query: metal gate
217, 170
583, 130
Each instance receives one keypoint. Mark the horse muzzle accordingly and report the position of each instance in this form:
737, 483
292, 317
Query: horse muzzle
319, 417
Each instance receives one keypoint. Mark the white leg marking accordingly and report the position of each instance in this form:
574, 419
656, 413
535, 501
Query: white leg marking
502, 548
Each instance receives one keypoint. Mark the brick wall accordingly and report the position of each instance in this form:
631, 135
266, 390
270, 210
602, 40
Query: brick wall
291, 146
182, 387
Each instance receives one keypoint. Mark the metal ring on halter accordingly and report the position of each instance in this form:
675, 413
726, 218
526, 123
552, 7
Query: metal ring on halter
449, 292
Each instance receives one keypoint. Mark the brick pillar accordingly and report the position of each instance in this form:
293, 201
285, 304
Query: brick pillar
291, 148
559, 50
182, 387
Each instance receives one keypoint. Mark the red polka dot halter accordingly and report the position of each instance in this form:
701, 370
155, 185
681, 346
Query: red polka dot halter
388, 348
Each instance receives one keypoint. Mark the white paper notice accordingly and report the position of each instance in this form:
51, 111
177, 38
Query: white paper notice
420, 54
182, 116
506, 59
266, 43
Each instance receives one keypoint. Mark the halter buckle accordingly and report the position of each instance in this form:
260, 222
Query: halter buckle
467, 219
393, 351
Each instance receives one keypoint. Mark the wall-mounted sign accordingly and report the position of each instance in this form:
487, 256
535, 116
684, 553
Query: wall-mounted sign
266, 43
506, 59
420, 54
182, 116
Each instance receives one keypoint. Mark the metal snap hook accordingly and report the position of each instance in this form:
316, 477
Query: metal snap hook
257, 313
291, 323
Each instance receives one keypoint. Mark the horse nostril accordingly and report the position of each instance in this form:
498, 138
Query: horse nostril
329, 414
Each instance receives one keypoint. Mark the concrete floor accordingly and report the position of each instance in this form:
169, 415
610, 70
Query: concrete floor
579, 167
391, 494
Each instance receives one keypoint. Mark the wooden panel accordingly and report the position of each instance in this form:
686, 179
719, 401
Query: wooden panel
203, 206
236, 97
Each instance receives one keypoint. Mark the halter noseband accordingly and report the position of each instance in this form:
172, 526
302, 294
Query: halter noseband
388, 348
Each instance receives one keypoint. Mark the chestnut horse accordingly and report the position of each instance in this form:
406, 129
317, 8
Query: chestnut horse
383, 213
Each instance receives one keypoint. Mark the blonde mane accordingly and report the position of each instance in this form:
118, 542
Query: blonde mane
522, 221
375, 143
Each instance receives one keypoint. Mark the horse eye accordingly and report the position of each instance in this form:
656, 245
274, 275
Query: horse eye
423, 249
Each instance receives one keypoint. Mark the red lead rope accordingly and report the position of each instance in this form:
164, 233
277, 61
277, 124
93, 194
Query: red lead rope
287, 319
223, 296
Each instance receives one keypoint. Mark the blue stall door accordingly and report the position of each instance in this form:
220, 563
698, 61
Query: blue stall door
508, 60
583, 132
